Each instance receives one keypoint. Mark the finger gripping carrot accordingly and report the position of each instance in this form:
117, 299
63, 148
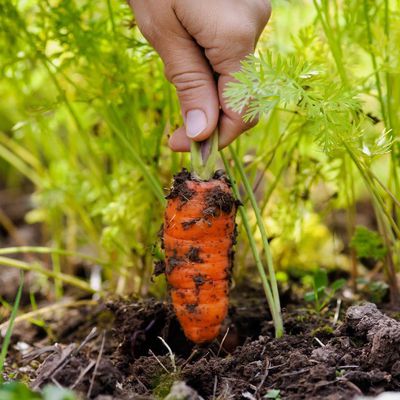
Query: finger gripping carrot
198, 236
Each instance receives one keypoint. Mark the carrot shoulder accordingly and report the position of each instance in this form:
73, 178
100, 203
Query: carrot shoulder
198, 236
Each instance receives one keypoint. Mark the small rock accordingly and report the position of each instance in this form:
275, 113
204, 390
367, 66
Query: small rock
181, 391
382, 332
385, 349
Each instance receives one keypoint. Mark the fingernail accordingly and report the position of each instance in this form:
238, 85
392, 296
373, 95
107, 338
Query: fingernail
196, 123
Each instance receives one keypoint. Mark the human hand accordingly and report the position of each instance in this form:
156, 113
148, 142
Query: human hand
196, 40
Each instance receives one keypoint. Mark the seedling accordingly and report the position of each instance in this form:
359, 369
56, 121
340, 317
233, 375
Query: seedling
322, 292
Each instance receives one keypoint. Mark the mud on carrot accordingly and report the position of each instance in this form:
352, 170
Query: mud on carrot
198, 237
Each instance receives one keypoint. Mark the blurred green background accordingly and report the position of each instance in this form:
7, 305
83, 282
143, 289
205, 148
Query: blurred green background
85, 112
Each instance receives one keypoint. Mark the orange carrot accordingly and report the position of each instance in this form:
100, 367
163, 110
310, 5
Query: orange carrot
198, 236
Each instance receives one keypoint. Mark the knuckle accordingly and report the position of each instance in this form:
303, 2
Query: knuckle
232, 47
188, 81
265, 11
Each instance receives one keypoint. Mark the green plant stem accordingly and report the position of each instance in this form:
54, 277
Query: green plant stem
385, 112
372, 188
149, 176
7, 338
278, 176
261, 227
333, 43
111, 14
375, 64
387, 74
351, 215
286, 135
204, 157
389, 266
20, 151
387, 222
390, 95
385, 189
19, 165
71, 280
316, 295
273, 306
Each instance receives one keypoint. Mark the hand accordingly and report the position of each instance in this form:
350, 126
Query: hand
196, 40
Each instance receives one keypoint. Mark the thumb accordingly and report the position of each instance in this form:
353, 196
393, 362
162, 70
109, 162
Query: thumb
188, 70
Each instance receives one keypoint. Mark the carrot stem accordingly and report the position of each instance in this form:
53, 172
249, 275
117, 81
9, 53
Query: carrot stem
264, 237
204, 157
273, 303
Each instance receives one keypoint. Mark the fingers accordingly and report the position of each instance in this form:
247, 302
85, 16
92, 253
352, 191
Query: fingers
225, 63
185, 66
228, 32
231, 124
231, 128
179, 140
195, 39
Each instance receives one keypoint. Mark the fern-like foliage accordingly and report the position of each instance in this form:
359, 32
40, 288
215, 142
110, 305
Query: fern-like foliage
268, 81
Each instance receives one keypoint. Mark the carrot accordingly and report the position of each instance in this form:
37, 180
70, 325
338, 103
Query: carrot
198, 236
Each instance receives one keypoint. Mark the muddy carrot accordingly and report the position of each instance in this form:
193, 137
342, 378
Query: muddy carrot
198, 236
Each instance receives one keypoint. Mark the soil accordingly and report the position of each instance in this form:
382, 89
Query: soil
113, 351
179, 188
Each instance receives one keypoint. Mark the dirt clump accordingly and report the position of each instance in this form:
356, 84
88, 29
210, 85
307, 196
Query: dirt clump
381, 333
179, 188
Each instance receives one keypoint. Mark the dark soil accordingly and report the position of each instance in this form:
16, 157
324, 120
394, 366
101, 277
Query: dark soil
179, 188
123, 357
218, 200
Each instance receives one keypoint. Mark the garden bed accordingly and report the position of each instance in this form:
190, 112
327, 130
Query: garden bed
113, 351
